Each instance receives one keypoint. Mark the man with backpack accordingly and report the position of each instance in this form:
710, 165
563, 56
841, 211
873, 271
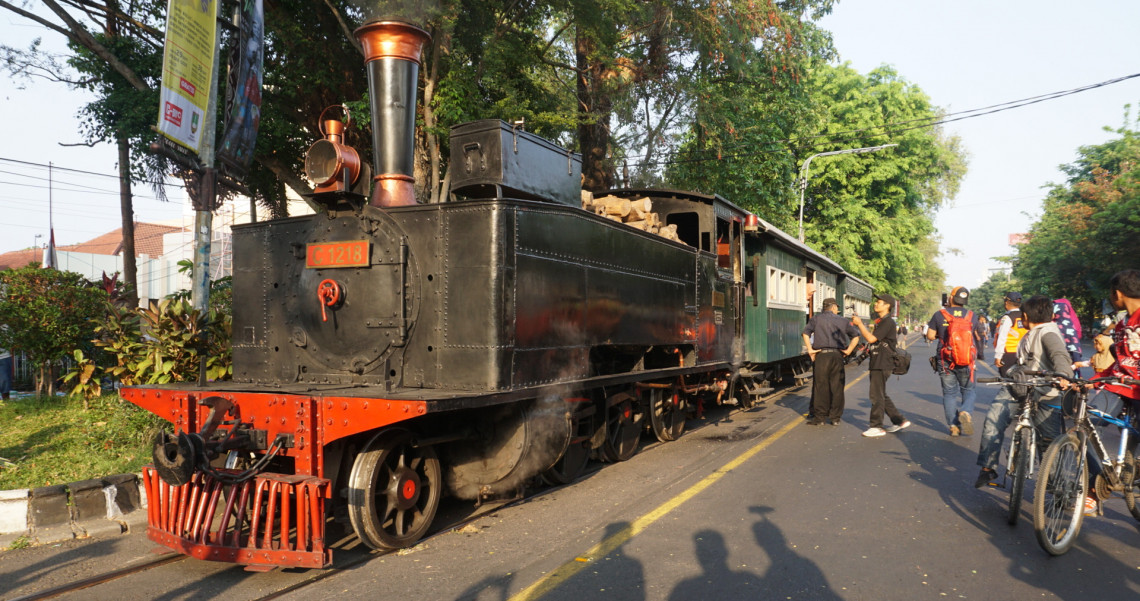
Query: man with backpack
953, 327
883, 341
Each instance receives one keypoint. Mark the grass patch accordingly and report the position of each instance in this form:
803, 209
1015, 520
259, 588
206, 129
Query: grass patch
50, 441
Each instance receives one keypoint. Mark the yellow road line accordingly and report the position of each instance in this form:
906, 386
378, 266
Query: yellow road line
619, 538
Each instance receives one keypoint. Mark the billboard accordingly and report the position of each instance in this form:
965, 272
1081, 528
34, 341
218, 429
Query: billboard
243, 92
187, 66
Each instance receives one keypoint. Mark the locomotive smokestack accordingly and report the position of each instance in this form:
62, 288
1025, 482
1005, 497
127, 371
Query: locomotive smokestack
392, 54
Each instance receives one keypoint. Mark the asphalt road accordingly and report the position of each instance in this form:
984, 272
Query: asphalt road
747, 505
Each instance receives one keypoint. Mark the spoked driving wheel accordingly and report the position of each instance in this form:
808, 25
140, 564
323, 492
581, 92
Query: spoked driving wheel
1020, 450
1059, 500
666, 413
576, 455
570, 465
1131, 484
624, 422
393, 491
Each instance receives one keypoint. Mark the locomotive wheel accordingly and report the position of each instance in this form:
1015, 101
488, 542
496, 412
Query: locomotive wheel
739, 391
576, 454
666, 413
393, 491
624, 422
570, 465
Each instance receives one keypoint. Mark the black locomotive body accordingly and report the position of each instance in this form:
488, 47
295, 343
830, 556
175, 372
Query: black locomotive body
479, 296
387, 351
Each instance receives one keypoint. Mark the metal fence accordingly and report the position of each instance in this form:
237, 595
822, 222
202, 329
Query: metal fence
24, 377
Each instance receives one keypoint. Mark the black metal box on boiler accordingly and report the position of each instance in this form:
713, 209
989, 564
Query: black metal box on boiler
490, 158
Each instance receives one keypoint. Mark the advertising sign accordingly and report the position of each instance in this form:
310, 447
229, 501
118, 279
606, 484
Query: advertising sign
187, 64
243, 94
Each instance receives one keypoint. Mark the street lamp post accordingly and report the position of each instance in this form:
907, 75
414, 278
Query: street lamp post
35, 245
807, 164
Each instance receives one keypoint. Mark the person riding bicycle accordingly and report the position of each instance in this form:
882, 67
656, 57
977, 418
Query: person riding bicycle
1041, 349
1124, 294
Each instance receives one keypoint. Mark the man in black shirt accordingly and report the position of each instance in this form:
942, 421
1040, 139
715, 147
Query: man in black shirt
883, 341
834, 339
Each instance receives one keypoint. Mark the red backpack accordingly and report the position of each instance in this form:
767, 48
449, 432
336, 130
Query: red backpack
958, 348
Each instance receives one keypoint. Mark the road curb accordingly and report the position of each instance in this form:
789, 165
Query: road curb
88, 508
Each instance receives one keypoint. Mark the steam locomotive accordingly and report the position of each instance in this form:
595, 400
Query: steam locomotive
387, 352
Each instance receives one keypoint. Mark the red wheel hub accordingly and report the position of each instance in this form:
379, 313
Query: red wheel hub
405, 488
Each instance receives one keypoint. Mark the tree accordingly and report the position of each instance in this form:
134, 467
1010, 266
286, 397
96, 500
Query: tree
1089, 228
870, 212
117, 56
47, 314
989, 298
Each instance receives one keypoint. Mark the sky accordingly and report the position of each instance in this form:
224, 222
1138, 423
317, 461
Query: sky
964, 55
39, 116
972, 54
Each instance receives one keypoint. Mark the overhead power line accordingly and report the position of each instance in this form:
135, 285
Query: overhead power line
55, 167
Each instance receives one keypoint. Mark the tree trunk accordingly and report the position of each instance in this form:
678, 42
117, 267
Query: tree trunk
594, 110
126, 207
429, 117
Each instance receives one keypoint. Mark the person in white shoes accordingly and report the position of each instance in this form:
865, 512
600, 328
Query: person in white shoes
882, 341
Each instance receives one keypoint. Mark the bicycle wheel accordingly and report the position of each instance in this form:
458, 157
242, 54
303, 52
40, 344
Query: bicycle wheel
1020, 450
1131, 484
1059, 501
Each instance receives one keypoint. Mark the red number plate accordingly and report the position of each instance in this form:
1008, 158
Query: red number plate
353, 253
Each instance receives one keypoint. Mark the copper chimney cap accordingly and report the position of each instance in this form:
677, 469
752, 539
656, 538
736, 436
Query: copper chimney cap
392, 39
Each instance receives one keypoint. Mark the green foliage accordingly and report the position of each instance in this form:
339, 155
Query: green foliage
47, 314
870, 211
750, 91
685, 94
989, 298
21, 542
121, 110
221, 290
57, 440
82, 378
158, 345
1088, 230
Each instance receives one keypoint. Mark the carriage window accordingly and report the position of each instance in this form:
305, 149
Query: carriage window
822, 291
688, 229
723, 245
785, 287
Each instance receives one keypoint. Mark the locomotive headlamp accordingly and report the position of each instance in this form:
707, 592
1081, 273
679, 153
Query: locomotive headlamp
331, 165
751, 223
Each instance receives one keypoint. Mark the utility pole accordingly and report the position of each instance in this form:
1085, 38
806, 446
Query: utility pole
208, 189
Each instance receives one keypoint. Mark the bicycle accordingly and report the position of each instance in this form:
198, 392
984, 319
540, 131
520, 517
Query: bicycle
1022, 455
1058, 504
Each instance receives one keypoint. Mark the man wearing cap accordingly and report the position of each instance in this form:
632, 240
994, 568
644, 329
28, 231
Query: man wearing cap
834, 338
1011, 328
883, 341
958, 393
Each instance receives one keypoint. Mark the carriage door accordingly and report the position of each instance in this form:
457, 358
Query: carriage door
738, 284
